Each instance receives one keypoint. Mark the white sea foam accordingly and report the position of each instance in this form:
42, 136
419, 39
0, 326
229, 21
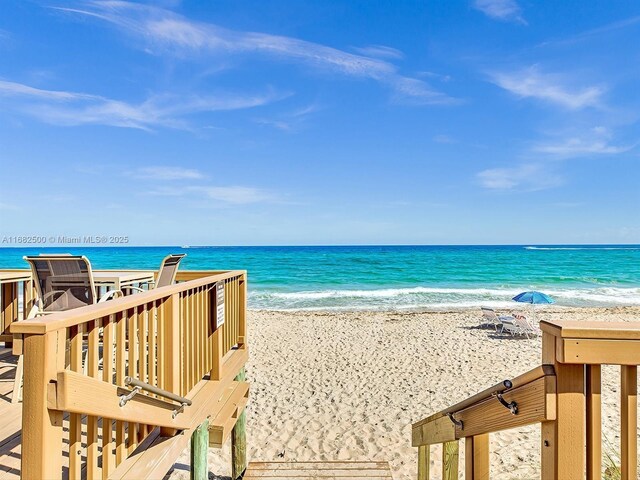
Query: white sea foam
582, 248
436, 298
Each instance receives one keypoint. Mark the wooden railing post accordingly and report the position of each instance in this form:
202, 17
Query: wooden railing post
242, 330
450, 457
476, 453
239, 440
41, 428
424, 460
563, 440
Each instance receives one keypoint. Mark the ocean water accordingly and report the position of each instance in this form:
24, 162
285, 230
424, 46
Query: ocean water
397, 277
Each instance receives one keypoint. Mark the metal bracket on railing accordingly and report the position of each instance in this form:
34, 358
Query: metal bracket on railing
125, 398
178, 410
511, 406
457, 423
140, 385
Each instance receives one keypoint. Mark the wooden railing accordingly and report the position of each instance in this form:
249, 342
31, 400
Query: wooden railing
16, 298
562, 395
76, 364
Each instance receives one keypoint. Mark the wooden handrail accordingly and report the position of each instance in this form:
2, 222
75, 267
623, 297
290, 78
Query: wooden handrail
69, 318
562, 396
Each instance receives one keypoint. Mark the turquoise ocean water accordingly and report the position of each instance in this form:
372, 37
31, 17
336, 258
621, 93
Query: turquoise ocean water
397, 277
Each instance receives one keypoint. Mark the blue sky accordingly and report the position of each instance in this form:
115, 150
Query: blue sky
300, 122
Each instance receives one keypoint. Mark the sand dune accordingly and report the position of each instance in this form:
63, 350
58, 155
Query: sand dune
339, 386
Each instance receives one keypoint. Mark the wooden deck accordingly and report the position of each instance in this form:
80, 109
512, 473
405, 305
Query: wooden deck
11, 415
310, 470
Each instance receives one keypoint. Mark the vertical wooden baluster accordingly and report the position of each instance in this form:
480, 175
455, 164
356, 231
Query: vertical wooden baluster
153, 325
594, 422
424, 462
132, 428
202, 339
92, 421
476, 454
142, 355
629, 422
450, 460
107, 376
121, 345
162, 354
75, 419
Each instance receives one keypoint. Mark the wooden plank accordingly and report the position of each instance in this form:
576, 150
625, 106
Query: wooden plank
328, 465
436, 431
450, 460
523, 379
629, 422
228, 413
491, 416
610, 352
77, 393
424, 462
477, 457
594, 422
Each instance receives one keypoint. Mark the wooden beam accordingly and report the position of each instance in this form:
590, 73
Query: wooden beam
439, 430
491, 416
610, 352
629, 422
476, 452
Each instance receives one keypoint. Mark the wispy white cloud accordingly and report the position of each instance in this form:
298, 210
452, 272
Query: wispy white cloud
526, 177
238, 195
443, 138
289, 121
552, 88
380, 51
7, 206
608, 28
504, 10
595, 142
233, 195
68, 108
165, 31
166, 173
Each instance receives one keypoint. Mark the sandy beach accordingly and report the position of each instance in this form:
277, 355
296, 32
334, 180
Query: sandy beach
348, 385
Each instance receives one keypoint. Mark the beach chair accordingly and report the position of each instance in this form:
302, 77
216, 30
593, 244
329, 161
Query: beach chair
167, 272
525, 327
490, 315
62, 282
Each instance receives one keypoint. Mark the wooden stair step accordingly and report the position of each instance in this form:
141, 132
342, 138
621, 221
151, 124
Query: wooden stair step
320, 470
220, 427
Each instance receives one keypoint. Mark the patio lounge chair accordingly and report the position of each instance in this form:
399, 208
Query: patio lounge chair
62, 282
519, 327
167, 272
490, 315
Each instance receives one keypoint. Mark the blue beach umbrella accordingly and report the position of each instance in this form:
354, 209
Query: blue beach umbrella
534, 298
